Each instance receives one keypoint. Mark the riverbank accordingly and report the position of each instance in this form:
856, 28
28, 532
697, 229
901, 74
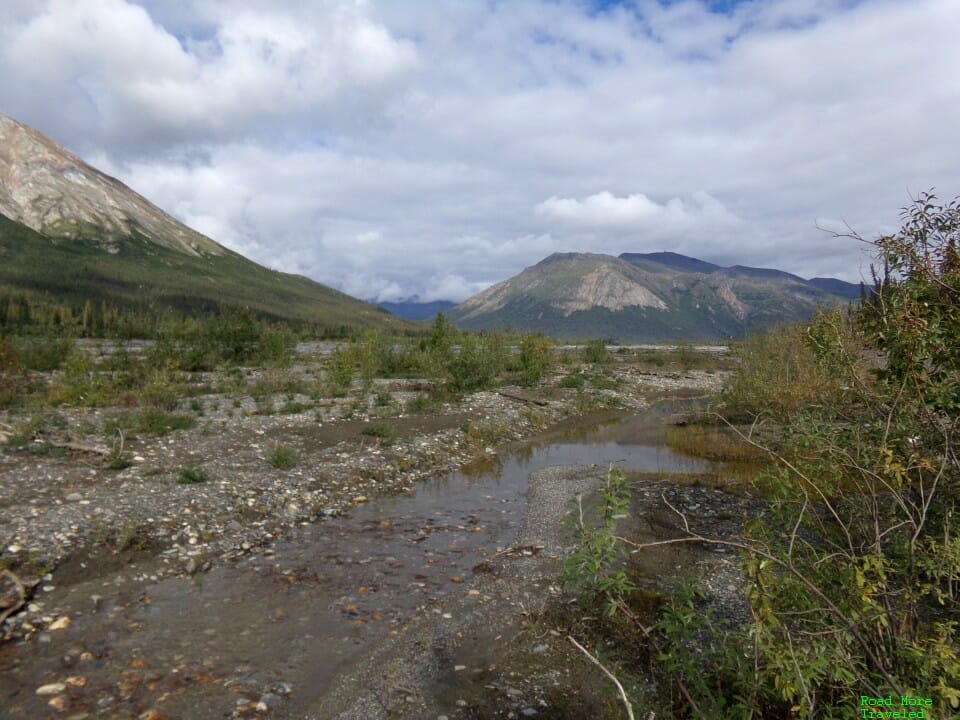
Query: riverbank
166, 615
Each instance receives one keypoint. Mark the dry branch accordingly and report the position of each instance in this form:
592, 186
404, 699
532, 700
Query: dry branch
522, 398
623, 693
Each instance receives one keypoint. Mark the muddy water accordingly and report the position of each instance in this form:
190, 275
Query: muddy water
278, 627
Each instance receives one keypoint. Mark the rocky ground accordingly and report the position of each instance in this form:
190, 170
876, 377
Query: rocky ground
68, 518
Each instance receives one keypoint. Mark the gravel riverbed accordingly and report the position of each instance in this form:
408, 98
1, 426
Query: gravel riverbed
68, 520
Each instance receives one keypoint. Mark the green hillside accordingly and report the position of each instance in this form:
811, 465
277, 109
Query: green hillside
137, 274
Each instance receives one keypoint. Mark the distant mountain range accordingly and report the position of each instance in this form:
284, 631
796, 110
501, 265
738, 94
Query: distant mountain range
643, 297
70, 233
414, 309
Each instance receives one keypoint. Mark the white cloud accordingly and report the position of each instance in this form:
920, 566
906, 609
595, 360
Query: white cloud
428, 147
131, 82
638, 211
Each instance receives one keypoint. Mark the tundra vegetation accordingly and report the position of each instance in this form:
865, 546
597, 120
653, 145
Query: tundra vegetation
852, 572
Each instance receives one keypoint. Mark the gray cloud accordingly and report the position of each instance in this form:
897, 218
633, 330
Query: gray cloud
432, 148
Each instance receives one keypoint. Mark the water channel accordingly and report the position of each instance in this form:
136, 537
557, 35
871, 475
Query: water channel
281, 625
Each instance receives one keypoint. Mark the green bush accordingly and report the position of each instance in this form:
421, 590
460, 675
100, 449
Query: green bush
596, 567
383, 431
43, 353
192, 475
536, 359
853, 568
157, 422
854, 574
778, 374
596, 352
573, 380
340, 369
283, 457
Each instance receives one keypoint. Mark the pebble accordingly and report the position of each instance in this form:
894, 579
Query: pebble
268, 702
540, 649
61, 623
51, 689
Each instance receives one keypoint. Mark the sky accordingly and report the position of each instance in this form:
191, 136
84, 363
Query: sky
430, 148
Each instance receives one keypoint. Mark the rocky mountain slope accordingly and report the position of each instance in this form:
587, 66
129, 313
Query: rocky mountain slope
71, 233
644, 297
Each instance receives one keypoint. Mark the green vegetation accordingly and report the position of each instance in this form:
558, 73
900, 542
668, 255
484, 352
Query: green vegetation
381, 431
852, 574
283, 457
596, 567
573, 380
192, 475
80, 288
595, 351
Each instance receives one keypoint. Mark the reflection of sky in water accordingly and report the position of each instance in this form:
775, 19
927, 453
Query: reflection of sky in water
644, 458
632, 443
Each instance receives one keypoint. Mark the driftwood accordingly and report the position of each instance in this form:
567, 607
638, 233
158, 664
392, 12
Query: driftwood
21, 596
80, 447
520, 551
521, 398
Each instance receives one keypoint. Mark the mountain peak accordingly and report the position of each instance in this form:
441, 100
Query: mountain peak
641, 297
54, 192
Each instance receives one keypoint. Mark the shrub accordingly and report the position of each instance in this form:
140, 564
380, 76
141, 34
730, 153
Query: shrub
157, 422
340, 369
596, 567
192, 475
573, 380
779, 374
383, 431
596, 352
536, 359
283, 457
854, 575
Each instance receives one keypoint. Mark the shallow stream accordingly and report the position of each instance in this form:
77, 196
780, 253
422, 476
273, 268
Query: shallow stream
278, 627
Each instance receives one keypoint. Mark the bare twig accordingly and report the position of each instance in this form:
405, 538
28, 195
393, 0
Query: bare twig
623, 693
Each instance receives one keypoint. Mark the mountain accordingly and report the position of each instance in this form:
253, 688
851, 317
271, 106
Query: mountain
72, 233
850, 291
413, 309
641, 298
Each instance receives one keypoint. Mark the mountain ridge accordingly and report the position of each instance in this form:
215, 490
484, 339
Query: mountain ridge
642, 297
71, 233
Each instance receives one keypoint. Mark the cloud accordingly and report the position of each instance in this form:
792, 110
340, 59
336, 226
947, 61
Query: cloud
129, 79
425, 147
606, 210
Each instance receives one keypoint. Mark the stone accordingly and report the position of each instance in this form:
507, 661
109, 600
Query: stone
268, 702
51, 689
61, 623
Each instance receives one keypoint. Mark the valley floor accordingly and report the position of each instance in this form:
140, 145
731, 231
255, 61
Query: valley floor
91, 544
